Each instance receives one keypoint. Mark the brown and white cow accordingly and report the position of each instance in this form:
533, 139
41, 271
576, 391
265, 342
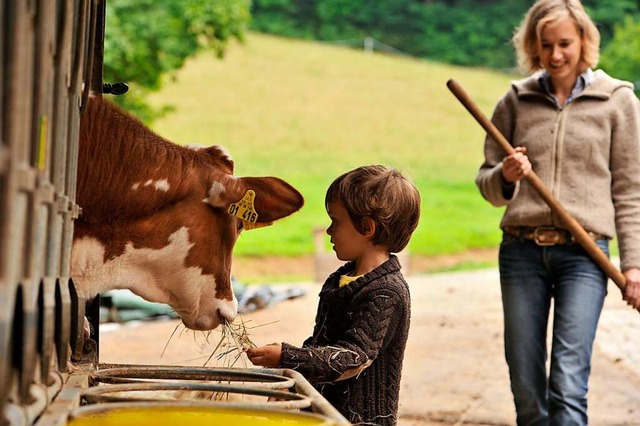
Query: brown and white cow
155, 216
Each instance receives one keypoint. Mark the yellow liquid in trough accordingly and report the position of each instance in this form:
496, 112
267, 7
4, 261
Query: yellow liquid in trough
194, 416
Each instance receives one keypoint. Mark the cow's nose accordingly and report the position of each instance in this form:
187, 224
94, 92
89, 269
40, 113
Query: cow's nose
228, 311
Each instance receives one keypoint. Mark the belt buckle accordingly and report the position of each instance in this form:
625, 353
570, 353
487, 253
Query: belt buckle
546, 236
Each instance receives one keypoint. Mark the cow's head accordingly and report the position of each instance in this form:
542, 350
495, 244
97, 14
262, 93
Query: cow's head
225, 207
231, 205
178, 249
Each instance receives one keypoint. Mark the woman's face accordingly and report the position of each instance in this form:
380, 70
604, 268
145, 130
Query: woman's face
560, 51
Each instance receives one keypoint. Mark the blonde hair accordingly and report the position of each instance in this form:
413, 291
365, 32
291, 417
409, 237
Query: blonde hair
526, 39
383, 195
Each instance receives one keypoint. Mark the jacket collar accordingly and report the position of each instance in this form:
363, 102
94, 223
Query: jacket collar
390, 266
602, 86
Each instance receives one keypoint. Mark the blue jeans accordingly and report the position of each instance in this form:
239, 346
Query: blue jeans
530, 276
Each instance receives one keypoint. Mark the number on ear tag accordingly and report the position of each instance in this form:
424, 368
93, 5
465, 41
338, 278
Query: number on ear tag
245, 210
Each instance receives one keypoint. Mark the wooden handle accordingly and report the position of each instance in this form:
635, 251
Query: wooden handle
569, 222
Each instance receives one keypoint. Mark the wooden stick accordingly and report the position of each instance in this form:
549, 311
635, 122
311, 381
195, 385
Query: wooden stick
571, 224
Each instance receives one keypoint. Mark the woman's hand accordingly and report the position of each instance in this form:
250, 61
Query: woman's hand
266, 356
631, 293
516, 166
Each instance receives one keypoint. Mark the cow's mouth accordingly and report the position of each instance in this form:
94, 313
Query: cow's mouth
201, 323
211, 321
205, 323
209, 313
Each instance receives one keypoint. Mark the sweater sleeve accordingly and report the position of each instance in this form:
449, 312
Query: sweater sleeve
625, 185
372, 317
489, 178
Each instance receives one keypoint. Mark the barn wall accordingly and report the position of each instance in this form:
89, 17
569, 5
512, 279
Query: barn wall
47, 48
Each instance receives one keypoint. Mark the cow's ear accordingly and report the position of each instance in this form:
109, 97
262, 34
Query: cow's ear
272, 197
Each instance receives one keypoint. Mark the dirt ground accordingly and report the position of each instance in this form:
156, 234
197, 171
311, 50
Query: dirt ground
454, 371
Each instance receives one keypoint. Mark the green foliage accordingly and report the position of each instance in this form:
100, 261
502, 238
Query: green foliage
215, 22
461, 32
621, 58
609, 13
472, 34
285, 17
146, 39
457, 33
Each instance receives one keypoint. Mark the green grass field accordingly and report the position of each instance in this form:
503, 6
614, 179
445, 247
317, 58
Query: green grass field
307, 112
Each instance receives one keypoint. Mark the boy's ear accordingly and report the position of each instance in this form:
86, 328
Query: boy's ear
368, 227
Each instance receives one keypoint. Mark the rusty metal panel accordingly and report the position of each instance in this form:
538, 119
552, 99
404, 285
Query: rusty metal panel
17, 111
45, 72
43, 202
5, 321
18, 179
40, 197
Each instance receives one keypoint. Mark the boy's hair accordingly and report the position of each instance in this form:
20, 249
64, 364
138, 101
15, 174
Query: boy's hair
385, 196
526, 40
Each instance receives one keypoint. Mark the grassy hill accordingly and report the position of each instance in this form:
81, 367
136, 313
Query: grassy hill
307, 112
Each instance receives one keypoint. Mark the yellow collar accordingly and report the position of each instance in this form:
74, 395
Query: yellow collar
347, 279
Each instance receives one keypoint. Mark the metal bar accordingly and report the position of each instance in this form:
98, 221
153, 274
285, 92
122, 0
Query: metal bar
63, 322
125, 392
88, 51
131, 373
47, 305
98, 48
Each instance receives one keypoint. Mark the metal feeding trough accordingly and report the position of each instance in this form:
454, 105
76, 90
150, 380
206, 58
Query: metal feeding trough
186, 414
127, 394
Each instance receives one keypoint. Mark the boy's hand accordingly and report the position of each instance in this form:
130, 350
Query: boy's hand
266, 356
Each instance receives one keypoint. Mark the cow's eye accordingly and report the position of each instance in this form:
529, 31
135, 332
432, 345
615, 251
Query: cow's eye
240, 225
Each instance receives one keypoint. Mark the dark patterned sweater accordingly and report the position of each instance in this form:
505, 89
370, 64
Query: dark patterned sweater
354, 357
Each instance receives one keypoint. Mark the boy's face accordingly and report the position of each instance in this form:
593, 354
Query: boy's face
347, 242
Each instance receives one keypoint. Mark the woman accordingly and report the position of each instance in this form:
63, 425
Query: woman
580, 130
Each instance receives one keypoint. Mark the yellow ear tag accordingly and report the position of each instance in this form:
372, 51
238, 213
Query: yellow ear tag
245, 210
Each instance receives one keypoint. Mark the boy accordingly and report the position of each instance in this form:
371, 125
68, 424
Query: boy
354, 357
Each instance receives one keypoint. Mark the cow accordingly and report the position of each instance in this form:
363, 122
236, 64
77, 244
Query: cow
161, 219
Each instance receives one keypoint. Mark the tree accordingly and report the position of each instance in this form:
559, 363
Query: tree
145, 39
609, 13
621, 57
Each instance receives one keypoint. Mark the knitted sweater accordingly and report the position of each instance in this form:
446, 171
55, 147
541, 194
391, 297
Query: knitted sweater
587, 154
354, 357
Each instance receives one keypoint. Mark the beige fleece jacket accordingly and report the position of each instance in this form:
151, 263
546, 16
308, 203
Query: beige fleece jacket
587, 154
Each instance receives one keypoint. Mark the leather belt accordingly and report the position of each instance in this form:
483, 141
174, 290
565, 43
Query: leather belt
547, 235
